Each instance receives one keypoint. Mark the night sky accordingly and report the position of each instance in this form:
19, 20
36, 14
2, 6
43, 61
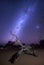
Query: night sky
25, 18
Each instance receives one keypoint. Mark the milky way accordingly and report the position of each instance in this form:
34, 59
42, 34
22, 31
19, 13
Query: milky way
25, 18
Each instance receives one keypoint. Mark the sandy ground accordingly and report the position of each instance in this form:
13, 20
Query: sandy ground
23, 60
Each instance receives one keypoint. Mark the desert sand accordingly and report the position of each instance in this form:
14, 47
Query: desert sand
6, 54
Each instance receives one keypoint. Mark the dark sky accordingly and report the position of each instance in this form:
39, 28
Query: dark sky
25, 18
